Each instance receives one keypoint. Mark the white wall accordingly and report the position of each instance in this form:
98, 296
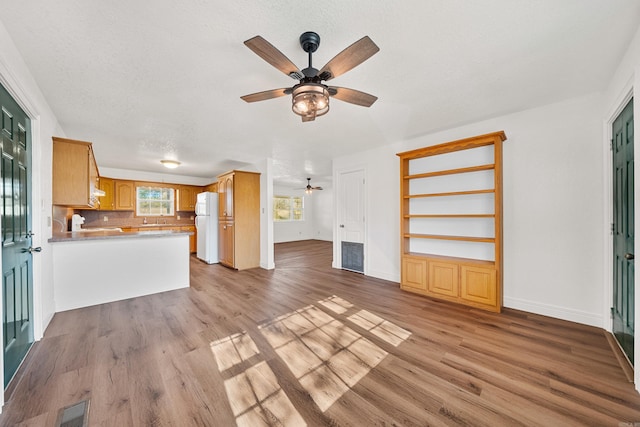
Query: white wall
323, 214
553, 245
266, 214
317, 223
17, 79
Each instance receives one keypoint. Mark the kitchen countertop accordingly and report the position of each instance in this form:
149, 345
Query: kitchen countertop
104, 234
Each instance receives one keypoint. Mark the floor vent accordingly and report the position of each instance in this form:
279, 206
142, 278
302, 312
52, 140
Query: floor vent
76, 415
353, 256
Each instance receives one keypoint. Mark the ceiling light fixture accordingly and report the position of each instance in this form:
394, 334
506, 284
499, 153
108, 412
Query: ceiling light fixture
310, 100
171, 164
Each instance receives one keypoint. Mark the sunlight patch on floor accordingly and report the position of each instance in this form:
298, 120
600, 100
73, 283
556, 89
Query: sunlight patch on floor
336, 304
327, 357
255, 395
233, 350
379, 327
257, 399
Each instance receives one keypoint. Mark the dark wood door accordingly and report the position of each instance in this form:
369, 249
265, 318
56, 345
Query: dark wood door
17, 281
623, 310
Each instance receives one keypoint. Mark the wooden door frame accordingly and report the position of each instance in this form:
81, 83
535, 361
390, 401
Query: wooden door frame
619, 105
17, 92
337, 247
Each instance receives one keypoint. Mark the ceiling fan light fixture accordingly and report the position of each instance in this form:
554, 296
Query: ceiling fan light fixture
310, 100
171, 164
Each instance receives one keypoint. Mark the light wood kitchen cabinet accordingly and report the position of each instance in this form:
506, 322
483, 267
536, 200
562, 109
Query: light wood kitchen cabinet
193, 239
75, 174
120, 195
125, 195
225, 197
187, 197
211, 188
226, 241
107, 202
239, 219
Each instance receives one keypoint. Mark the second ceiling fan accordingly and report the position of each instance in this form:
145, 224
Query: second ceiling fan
310, 97
309, 189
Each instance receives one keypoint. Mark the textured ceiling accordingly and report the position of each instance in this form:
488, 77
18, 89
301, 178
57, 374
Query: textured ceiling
150, 80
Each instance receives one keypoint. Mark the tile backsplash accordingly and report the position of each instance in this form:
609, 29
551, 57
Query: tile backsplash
94, 218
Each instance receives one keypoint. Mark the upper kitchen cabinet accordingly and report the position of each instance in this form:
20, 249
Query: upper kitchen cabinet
119, 195
187, 196
75, 174
212, 188
225, 196
125, 195
107, 202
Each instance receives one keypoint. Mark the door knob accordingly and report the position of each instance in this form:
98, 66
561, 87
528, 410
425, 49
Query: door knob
31, 249
629, 256
341, 225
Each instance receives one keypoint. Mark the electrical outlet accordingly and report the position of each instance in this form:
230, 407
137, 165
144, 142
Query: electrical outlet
105, 219
191, 217
178, 217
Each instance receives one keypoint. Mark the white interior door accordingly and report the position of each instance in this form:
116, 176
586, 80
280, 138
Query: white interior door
351, 218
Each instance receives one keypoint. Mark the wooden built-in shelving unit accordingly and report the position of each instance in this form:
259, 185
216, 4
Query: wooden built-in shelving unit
451, 221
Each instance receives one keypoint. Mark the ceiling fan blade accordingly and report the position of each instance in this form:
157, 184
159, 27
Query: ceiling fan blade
267, 94
273, 56
352, 96
316, 188
352, 56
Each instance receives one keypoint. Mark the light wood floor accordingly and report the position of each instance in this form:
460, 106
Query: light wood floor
306, 344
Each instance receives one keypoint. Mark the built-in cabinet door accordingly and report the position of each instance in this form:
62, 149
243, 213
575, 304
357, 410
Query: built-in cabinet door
443, 278
478, 284
414, 273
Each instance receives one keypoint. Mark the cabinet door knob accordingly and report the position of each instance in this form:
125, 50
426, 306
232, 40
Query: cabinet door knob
629, 256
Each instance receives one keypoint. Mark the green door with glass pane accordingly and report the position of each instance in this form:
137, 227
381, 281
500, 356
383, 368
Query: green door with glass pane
17, 280
623, 310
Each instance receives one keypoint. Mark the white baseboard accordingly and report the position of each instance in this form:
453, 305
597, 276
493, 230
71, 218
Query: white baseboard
384, 276
555, 311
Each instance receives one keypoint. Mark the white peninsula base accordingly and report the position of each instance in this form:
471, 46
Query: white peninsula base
90, 272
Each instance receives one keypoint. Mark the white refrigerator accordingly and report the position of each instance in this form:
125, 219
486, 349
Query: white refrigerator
207, 227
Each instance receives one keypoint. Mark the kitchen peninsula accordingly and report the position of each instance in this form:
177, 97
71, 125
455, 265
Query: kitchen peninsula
99, 266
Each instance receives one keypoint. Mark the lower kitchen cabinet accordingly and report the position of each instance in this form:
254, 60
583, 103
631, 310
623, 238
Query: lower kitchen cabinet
226, 239
193, 239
